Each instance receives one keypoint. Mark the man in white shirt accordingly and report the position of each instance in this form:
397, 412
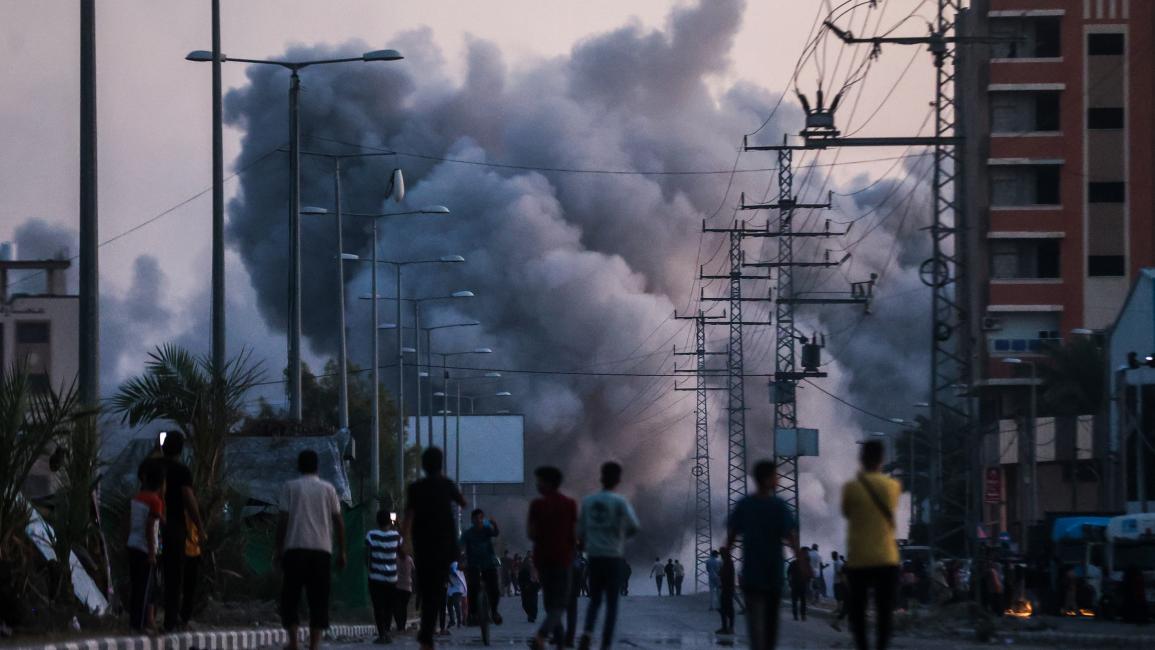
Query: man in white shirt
310, 516
607, 520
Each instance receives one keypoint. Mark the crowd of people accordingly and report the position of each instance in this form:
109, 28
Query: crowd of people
577, 550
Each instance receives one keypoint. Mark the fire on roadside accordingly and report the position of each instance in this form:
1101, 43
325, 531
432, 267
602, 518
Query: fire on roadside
1022, 609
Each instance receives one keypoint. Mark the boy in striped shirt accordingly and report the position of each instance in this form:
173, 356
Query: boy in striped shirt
382, 545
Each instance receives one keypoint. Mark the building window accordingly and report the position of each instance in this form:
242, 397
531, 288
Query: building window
1024, 111
1106, 265
1022, 333
33, 351
1023, 259
1029, 37
1105, 44
1103, 192
1025, 185
1104, 118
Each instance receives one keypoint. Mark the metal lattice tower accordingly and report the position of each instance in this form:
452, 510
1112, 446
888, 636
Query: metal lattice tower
785, 407
735, 384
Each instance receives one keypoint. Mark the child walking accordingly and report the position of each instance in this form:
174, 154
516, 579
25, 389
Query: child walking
146, 513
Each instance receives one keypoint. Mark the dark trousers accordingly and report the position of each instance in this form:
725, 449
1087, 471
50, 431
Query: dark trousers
798, 595
726, 609
401, 608
308, 571
173, 565
142, 575
658, 584
529, 601
192, 572
678, 584
556, 583
670, 584
432, 577
604, 583
883, 581
762, 617
382, 594
571, 615
492, 590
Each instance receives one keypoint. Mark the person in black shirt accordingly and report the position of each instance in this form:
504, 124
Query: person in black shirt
179, 501
431, 529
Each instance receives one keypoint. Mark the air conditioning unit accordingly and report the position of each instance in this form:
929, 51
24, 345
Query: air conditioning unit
992, 324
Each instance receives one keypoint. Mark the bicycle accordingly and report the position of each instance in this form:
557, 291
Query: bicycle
483, 608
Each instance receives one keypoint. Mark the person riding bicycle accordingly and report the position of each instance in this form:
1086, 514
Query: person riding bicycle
481, 562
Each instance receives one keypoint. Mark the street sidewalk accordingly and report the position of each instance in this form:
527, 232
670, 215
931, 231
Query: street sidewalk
234, 639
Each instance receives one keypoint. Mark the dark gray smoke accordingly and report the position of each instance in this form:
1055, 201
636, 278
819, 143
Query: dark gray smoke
570, 269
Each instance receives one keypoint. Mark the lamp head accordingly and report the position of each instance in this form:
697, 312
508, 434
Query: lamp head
382, 55
493, 375
202, 56
397, 185
313, 211
409, 350
435, 209
1014, 361
350, 257
483, 350
503, 393
463, 294
451, 259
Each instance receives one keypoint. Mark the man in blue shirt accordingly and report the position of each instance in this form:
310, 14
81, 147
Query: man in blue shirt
765, 523
481, 561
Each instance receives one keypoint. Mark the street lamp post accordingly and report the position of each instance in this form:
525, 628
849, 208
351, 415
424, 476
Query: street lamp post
294, 67
1030, 498
445, 391
375, 418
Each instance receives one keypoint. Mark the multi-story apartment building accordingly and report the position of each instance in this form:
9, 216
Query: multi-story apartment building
1058, 117
38, 321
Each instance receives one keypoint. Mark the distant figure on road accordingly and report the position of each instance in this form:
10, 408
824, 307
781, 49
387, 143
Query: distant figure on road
679, 576
727, 589
552, 526
310, 519
457, 591
381, 547
514, 571
868, 504
798, 577
607, 520
764, 522
431, 528
506, 574
713, 576
818, 576
481, 563
838, 575
658, 572
671, 576
528, 585
404, 591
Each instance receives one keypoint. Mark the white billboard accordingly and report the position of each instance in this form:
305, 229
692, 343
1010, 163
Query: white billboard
492, 449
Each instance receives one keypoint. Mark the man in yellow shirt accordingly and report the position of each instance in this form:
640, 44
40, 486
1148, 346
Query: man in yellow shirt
869, 501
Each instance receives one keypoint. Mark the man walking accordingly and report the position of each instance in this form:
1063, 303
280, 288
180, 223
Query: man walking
670, 577
180, 509
679, 576
310, 518
481, 563
430, 528
727, 590
714, 576
551, 526
607, 520
868, 504
381, 547
764, 522
657, 572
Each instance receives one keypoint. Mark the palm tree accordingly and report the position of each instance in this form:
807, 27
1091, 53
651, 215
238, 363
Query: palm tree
178, 386
29, 420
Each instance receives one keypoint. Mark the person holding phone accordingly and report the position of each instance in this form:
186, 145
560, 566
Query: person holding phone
481, 562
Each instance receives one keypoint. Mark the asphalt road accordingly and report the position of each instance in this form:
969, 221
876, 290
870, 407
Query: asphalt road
669, 622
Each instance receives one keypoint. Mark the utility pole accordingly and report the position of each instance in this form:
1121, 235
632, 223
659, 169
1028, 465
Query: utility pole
786, 373
218, 253
703, 502
89, 344
736, 465
951, 523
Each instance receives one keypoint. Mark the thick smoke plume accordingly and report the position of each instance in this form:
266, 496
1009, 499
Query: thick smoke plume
574, 272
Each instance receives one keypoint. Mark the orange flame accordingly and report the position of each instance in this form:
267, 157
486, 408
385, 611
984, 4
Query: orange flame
1022, 609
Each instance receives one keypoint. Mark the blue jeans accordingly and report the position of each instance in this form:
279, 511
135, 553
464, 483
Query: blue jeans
605, 581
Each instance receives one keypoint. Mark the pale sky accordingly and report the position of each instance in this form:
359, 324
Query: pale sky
154, 107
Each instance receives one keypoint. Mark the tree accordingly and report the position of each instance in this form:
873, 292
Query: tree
1074, 378
178, 386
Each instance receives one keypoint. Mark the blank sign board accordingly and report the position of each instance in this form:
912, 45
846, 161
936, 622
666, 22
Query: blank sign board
796, 442
492, 446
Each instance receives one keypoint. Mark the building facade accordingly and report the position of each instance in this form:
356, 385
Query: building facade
38, 321
1057, 113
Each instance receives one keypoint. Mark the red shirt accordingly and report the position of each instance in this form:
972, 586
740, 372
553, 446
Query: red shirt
554, 519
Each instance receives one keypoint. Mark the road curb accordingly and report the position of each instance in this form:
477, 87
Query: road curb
247, 639
1083, 640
